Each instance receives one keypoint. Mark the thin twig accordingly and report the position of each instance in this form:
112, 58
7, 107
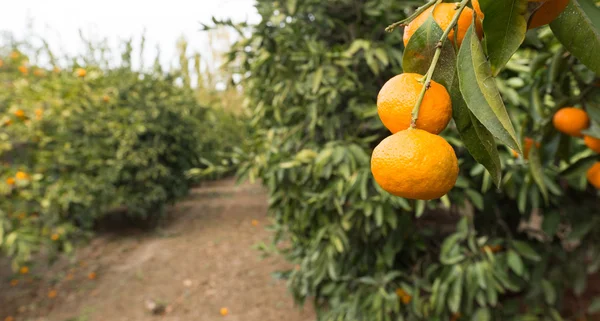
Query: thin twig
412, 17
434, 61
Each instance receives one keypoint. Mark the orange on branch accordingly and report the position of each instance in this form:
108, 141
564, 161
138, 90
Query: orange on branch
398, 97
571, 121
415, 164
549, 11
592, 143
443, 15
593, 175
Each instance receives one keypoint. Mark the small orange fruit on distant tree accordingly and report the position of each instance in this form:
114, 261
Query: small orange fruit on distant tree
20, 113
571, 121
592, 143
24, 270
527, 147
398, 97
415, 164
10, 181
23, 70
52, 294
80, 72
593, 175
549, 11
22, 175
443, 14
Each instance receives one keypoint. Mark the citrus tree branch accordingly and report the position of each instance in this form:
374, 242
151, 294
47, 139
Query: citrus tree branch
412, 17
436, 57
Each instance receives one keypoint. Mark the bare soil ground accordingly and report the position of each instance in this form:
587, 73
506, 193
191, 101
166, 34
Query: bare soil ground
200, 261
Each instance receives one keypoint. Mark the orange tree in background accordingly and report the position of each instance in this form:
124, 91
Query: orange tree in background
78, 142
514, 238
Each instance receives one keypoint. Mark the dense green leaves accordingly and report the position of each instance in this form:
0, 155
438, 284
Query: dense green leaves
480, 92
578, 29
504, 26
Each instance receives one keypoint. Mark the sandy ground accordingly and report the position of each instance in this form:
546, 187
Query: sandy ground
199, 261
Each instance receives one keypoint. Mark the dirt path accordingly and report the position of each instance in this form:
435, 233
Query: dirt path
199, 263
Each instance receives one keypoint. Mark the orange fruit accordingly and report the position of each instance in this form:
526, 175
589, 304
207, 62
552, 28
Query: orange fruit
23, 70
1, 62
443, 14
52, 294
415, 164
549, 11
10, 181
24, 270
527, 148
55, 237
398, 97
480, 16
593, 143
92, 275
22, 175
20, 113
224, 311
571, 121
80, 72
593, 175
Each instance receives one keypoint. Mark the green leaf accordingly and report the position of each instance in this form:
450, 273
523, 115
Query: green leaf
455, 295
505, 27
578, 29
514, 262
421, 48
481, 93
549, 292
317, 78
535, 166
526, 250
476, 198
482, 314
420, 208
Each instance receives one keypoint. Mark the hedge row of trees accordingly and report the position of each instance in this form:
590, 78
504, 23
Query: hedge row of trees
80, 140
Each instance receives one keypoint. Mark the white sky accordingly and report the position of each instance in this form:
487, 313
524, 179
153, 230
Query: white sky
58, 21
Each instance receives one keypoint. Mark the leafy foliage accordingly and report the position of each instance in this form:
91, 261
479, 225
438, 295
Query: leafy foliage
313, 72
79, 142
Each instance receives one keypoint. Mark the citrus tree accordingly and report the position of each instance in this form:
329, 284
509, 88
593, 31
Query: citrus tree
477, 205
78, 142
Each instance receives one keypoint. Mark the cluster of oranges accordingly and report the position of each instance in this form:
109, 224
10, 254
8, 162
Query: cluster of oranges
572, 121
19, 176
415, 162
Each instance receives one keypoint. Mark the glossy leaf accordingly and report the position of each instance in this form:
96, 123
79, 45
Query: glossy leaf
537, 171
505, 27
481, 93
578, 29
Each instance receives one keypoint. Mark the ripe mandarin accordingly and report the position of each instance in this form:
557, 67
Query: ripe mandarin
398, 97
548, 11
592, 143
527, 147
593, 175
443, 14
415, 164
571, 121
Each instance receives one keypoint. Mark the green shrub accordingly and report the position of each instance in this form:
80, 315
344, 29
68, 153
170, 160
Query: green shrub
86, 144
313, 73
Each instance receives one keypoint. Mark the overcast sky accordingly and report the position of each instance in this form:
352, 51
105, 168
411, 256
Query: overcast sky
58, 21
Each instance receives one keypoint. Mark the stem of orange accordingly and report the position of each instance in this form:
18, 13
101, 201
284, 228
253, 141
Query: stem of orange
434, 61
412, 17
